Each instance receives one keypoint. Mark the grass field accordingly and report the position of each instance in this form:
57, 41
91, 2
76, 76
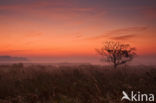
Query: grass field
73, 84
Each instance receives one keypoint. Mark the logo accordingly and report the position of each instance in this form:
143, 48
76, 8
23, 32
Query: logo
137, 96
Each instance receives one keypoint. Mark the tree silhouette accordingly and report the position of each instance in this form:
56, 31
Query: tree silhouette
116, 53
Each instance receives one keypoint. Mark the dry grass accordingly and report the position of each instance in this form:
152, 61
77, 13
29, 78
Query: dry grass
72, 84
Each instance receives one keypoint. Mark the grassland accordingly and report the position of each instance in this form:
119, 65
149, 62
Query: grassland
73, 84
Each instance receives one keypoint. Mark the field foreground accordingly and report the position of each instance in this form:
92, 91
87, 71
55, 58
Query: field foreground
73, 84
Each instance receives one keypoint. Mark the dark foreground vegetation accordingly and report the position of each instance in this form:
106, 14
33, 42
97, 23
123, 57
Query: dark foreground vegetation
73, 84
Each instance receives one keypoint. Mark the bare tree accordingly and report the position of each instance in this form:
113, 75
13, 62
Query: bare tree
116, 53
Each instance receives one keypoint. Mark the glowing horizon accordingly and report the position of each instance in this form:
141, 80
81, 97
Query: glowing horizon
75, 27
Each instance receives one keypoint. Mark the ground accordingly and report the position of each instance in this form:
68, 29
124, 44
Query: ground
73, 84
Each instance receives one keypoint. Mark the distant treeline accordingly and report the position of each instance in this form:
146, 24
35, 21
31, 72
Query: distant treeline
10, 58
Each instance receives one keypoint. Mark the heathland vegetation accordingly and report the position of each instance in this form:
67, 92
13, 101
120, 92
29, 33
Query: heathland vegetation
73, 84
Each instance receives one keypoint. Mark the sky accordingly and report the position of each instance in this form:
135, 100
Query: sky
74, 28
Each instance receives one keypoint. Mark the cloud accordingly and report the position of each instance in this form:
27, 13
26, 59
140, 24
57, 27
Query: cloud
10, 58
120, 34
13, 51
53, 4
97, 37
78, 36
127, 30
123, 37
54, 10
34, 34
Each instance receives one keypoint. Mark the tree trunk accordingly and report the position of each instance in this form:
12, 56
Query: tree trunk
115, 66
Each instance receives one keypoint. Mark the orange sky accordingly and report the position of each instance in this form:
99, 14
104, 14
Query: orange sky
75, 27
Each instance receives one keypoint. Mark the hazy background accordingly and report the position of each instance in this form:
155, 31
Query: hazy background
70, 30
95, 60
